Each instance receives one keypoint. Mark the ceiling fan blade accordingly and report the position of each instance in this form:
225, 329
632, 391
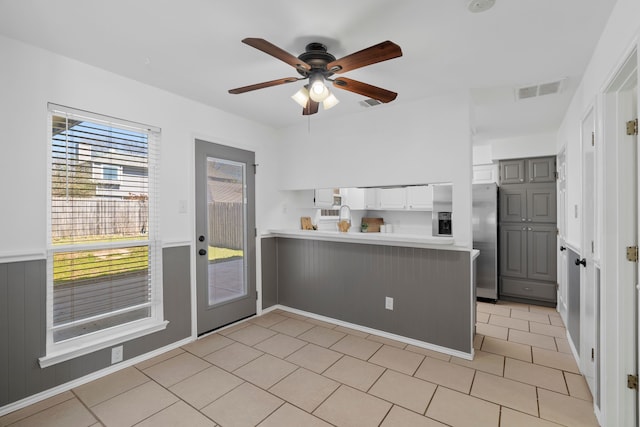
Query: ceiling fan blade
263, 85
371, 55
382, 95
311, 108
275, 51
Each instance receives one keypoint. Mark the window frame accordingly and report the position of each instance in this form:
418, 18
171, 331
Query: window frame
57, 352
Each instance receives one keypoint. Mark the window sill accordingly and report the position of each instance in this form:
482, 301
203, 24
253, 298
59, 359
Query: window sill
116, 338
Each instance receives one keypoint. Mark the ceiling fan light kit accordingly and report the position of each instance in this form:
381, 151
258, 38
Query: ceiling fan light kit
318, 65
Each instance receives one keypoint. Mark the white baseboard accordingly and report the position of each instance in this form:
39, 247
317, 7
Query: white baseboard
88, 378
400, 338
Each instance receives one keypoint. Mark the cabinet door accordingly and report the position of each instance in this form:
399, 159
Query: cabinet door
542, 169
513, 204
354, 197
393, 198
541, 252
513, 250
323, 197
420, 197
541, 204
371, 198
512, 171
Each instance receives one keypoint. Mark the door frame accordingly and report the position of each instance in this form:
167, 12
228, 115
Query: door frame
252, 246
617, 296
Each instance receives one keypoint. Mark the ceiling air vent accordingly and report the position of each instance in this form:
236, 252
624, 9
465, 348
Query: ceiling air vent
541, 89
370, 102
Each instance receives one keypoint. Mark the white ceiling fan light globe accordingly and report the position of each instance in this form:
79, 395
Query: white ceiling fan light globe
318, 92
301, 97
330, 102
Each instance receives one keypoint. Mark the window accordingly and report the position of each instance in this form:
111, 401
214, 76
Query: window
109, 173
104, 263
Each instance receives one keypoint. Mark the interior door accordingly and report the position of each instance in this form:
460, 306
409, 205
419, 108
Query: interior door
562, 228
225, 236
588, 341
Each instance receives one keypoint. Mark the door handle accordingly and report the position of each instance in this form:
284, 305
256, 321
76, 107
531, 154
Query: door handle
202, 252
563, 248
582, 261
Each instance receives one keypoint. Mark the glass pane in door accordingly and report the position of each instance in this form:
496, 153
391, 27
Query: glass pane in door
226, 219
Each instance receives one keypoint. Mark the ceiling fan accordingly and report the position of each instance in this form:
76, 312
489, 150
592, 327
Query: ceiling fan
318, 65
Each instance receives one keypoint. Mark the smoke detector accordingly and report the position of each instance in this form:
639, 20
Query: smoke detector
541, 89
477, 6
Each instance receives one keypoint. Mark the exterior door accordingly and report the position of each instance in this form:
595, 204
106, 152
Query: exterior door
225, 239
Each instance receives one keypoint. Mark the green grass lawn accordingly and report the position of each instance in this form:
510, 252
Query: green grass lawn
216, 254
79, 265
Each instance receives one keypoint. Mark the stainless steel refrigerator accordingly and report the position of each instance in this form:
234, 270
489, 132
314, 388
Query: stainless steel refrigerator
485, 239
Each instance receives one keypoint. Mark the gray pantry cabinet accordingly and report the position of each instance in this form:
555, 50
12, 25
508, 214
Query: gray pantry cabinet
528, 230
519, 171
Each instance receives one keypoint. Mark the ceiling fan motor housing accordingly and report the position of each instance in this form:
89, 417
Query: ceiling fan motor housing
317, 57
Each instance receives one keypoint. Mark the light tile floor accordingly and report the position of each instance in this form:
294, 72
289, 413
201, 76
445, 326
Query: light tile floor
282, 369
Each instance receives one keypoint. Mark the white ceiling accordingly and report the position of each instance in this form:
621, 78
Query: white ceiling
193, 48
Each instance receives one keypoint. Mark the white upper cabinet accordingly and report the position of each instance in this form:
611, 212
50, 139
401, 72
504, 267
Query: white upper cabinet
420, 197
371, 199
415, 197
353, 197
325, 198
393, 198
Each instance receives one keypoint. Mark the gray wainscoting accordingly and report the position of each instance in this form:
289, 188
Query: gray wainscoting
573, 297
432, 294
269, 272
23, 327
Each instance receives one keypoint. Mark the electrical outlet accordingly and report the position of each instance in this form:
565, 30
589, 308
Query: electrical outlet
116, 354
388, 303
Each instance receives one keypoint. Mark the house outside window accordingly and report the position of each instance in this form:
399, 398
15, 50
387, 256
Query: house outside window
109, 173
104, 259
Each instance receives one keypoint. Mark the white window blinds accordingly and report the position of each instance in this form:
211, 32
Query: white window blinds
104, 268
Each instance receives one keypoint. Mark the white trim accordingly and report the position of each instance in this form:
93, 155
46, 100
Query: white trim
29, 255
400, 338
176, 244
617, 402
102, 118
35, 398
117, 338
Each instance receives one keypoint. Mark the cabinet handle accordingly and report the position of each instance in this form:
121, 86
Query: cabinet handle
524, 228
529, 220
529, 228
527, 289
582, 261
521, 179
524, 219
563, 248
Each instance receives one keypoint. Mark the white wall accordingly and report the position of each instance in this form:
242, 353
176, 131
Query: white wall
535, 145
617, 314
31, 77
422, 142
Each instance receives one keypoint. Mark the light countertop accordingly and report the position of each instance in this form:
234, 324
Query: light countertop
385, 239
